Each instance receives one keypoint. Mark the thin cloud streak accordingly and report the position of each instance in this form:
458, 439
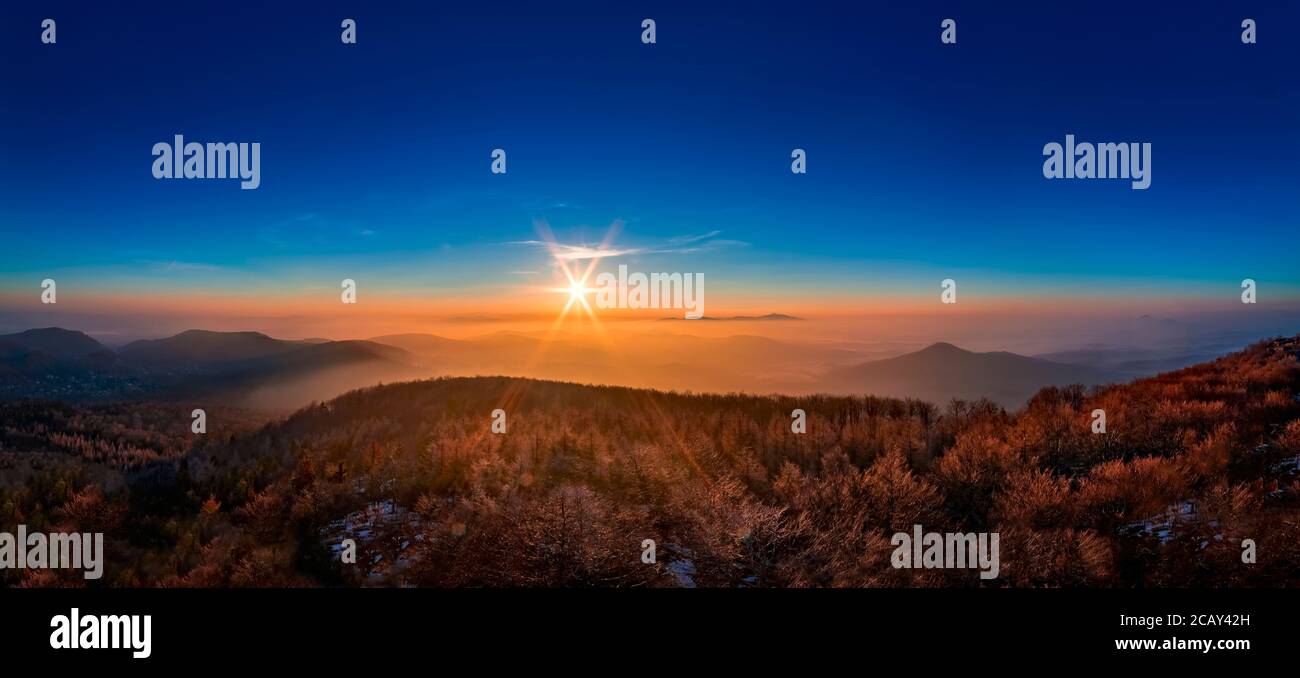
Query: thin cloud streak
685, 244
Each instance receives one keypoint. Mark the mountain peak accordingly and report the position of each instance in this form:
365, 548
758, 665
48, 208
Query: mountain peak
767, 316
193, 347
55, 341
48, 331
945, 348
215, 333
942, 371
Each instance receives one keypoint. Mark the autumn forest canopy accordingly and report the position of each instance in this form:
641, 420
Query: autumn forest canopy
1191, 463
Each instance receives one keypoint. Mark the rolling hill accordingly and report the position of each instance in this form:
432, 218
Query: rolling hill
236, 366
247, 368
941, 372
53, 341
52, 350
194, 349
1191, 463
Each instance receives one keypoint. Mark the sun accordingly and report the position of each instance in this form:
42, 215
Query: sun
578, 292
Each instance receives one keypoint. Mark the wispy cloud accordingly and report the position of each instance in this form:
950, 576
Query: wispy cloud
270, 234
174, 265
682, 244
686, 239
576, 252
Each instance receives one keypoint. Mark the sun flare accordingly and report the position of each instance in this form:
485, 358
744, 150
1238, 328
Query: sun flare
578, 291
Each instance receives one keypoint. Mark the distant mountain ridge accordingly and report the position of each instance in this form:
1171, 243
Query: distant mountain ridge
195, 364
52, 350
942, 371
197, 347
240, 365
768, 316
54, 341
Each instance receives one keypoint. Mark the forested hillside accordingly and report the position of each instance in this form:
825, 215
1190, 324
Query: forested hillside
1191, 464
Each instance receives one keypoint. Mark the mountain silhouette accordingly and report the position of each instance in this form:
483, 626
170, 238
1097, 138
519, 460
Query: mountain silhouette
942, 371
247, 368
767, 316
52, 341
252, 368
196, 348
52, 350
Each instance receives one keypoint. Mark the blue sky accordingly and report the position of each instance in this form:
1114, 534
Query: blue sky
924, 159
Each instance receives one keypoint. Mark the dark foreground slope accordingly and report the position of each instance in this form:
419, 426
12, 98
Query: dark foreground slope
1192, 465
